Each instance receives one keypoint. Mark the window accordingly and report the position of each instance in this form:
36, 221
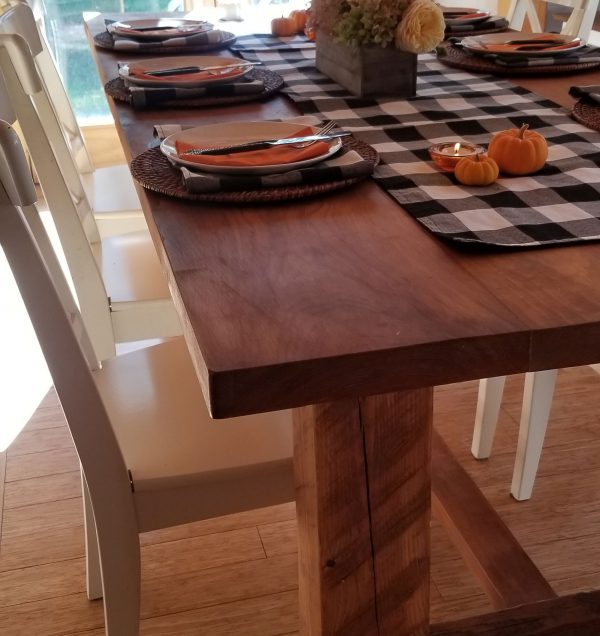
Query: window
63, 26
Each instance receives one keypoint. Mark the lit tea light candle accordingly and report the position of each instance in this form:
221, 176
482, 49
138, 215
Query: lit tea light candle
447, 155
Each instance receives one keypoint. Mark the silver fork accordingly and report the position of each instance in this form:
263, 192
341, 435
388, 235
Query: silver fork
321, 131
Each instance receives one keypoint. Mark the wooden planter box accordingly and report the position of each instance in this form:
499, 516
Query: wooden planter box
368, 71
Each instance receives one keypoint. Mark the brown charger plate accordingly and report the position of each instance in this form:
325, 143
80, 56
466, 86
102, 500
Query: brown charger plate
587, 113
457, 58
105, 41
153, 171
273, 84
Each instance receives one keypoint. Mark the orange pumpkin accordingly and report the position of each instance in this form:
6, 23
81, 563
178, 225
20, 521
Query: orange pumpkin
299, 17
479, 170
283, 27
519, 151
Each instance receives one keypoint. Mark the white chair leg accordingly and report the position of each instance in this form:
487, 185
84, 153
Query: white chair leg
121, 571
486, 417
537, 402
92, 555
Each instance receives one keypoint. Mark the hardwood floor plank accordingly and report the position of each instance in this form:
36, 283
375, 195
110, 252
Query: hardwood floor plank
30, 465
37, 490
177, 557
46, 517
272, 514
264, 616
279, 538
36, 441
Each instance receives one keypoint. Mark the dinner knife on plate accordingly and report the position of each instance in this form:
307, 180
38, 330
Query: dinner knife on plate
261, 145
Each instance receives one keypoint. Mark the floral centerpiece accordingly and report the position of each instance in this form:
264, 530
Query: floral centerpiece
349, 29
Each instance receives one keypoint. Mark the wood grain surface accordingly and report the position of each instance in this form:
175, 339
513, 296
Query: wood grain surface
363, 515
347, 295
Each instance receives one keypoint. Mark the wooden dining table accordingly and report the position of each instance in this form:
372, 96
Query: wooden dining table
346, 310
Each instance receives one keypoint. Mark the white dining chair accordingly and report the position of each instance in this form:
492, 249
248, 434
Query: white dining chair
151, 456
578, 24
110, 190
121, 289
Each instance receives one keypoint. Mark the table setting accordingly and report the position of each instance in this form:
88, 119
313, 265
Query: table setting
519, 53
250, 162
162, 35
462, 21
191, 82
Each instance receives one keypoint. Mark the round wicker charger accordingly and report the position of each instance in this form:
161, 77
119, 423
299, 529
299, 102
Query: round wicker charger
273, 83
457, 58
587, 113
105, 41
153, 171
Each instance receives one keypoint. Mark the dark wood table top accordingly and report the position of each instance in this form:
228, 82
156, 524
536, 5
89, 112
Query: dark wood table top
346, 294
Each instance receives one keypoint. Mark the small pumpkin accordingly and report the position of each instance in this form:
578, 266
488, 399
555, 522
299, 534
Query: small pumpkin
298, 17
479, 170
518, 151
283, 27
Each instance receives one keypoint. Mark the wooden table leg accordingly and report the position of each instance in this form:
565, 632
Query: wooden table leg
363, 500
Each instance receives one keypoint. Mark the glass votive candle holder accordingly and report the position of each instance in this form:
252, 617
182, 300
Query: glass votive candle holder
447, 154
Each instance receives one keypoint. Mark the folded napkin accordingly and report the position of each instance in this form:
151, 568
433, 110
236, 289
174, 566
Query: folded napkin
345, 165
268, 157
494, 22
591, 92
145, 34
162, 131
138, 71
144, 97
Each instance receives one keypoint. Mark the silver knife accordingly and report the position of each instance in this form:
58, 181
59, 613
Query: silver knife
267, 143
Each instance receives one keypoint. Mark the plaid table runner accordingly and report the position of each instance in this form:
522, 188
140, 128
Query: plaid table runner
558, 205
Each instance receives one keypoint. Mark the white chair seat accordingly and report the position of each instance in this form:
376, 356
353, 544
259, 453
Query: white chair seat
153, 398
111, 191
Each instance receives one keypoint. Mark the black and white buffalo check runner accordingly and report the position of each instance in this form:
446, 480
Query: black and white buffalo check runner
558, 205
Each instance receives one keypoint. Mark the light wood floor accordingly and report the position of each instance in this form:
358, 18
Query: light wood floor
237, 575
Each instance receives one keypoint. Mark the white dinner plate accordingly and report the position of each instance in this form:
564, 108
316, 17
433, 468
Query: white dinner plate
216, 135
463, 15
491, 44
174, 28
183, 81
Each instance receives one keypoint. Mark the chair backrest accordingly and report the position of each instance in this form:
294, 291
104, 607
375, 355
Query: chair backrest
29, 22
579, 23
53, 162
19, 19
60, 331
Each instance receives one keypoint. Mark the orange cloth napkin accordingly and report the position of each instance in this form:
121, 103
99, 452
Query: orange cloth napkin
138, 71
516, 48
268, 157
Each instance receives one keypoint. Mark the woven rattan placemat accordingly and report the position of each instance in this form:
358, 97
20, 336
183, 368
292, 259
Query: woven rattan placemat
105, 41
457, 58
273, 84
153, 171
587, 113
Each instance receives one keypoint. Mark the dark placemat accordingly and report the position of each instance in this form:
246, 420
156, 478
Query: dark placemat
273, 84
454, 56
587, 112
153, 171
105, 41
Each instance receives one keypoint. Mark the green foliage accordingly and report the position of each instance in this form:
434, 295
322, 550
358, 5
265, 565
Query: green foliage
369, 21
